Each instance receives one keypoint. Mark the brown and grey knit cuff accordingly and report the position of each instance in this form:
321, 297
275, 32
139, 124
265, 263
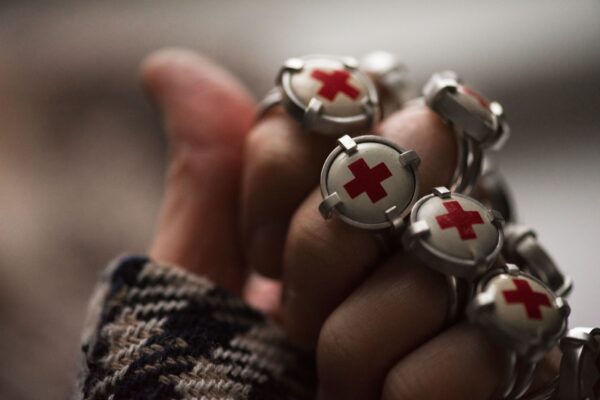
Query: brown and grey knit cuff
158, 332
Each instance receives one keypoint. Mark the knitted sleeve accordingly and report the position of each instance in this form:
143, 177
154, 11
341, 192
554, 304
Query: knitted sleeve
158, 332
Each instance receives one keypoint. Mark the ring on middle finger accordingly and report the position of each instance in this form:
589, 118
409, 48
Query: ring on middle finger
369, 182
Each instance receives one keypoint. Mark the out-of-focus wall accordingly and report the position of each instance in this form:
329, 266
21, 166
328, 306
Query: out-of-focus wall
81, 154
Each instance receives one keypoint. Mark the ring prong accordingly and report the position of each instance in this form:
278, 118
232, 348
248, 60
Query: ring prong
394, 215
415, 230
328, 204
350, 63
348, 144
312, 113
497, 217
294, 64
409, 157
442, 192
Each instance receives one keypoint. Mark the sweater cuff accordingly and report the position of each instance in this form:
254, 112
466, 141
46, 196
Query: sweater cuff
156, 331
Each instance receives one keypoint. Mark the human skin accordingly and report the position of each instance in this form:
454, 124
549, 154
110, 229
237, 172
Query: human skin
242, 194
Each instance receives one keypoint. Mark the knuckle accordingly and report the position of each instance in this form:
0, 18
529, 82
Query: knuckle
401, 383
331, 246
304, 240
338, 353
275, 160
262, 149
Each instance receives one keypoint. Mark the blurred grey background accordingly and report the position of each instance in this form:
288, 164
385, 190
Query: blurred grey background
81, 151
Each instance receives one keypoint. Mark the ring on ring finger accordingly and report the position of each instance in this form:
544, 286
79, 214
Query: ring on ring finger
457, 236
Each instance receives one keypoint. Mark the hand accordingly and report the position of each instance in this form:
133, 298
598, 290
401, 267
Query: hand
376, 322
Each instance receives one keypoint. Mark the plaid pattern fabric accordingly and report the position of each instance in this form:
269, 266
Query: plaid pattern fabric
158, 332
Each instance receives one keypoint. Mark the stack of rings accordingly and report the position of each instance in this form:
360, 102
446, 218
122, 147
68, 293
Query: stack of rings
371, 183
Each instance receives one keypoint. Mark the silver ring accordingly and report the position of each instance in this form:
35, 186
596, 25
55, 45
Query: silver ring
272, 99
326, 94
517, 379
524, 379
478, 123
369, 182
524, 316
506, 386
493, 191
579, 367
519, 310
454, 234
523, 248
459, 291
468, 169
546, 393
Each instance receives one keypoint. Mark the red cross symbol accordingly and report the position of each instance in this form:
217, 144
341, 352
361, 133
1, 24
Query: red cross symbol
334, 83
367, 180
460, 219
532, 301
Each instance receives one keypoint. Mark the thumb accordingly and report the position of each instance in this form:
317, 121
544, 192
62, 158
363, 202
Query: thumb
207, 113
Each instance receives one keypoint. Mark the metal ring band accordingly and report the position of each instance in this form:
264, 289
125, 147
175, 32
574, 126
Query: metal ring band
578, 374
386, 242
523, 248
545, 393
469, 165
510, 378
462, 154
493, 191
459, 292
518, 380
272, 99
453, 300
524, 379
474, 167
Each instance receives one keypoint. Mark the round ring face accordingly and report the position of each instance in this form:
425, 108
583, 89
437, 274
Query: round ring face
524, 308
341, 90
369, 181
454, 234
329, 95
